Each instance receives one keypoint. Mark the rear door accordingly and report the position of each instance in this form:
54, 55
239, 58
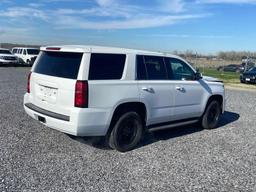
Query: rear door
53, 81
155, 89
188, 93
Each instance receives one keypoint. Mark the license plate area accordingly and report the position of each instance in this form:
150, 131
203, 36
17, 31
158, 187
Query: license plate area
247, 79
47, 94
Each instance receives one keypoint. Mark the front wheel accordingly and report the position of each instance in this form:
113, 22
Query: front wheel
127, 132
211, 116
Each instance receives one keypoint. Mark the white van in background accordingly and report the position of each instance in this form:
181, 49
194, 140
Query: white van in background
26, 55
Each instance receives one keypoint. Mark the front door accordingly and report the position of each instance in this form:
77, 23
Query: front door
188, 92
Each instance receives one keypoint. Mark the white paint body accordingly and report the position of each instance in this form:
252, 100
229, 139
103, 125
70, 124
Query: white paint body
7, 59
23, 55
165, 103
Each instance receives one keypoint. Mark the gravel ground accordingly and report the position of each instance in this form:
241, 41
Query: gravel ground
36, 158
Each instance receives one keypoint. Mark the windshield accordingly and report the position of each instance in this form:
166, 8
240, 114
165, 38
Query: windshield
253, 69
59, 64
5, 52
33, 51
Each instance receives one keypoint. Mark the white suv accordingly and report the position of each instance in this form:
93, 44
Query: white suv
119, 93
26, 55
7, 58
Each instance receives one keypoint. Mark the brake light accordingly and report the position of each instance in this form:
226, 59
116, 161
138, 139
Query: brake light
28, 82
53, 48
81, 94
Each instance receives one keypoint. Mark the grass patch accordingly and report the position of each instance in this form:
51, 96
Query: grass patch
226, 77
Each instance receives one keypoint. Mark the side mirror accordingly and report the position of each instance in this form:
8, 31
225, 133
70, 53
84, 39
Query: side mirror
198, 75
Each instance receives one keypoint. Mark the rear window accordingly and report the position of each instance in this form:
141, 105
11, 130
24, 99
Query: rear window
59, 64
106, 66
33, 51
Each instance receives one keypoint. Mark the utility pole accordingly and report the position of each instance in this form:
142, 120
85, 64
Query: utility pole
246, 63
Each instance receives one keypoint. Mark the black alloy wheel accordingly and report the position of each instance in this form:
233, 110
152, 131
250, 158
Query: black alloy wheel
127, 132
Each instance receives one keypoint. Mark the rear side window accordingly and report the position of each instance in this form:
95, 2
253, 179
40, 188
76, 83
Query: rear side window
106, 66
141, 68
151, 68
59, 64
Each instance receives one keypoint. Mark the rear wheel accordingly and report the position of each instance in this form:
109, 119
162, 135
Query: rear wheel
126, 133
211, 116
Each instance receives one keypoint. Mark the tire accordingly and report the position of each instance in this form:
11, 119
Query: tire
126, 133
211, 115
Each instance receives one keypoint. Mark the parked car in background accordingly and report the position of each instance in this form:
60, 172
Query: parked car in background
231, 68
26, 55
248, 76
7, 58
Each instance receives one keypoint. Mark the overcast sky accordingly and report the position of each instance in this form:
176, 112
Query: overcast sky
205, 26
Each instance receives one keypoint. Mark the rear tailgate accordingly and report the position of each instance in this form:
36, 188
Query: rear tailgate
53, 79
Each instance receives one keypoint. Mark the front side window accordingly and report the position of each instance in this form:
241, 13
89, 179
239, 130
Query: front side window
179, 70
106, 66
3, 51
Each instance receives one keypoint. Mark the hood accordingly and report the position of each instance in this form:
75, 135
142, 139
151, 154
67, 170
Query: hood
7, 55
211, 79
249, 73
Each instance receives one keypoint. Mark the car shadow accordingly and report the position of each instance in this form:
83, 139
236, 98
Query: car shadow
150, 138
153, 137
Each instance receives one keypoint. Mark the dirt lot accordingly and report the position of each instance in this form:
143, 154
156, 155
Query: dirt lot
211, 63
36, 158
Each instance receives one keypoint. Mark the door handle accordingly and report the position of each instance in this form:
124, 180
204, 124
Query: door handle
148, 89
182, 89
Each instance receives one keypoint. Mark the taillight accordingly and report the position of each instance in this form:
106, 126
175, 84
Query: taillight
28, 82
81, 94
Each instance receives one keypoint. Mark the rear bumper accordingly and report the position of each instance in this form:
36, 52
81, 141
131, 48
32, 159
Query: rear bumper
46, 112
80, 122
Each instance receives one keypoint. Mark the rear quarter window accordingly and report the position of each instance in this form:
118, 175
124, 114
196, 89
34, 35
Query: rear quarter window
59, 64
106, 66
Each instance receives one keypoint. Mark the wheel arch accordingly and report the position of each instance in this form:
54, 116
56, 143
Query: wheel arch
215, 97
122, 108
